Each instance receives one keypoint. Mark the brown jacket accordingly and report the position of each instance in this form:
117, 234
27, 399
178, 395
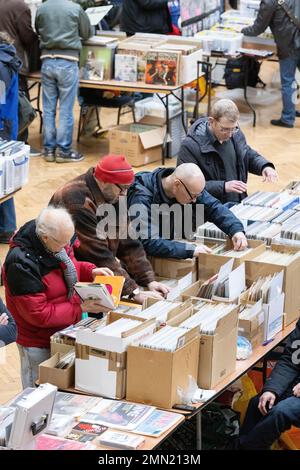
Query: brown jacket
81, 197
15, 19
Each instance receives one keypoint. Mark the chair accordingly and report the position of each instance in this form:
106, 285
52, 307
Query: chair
93, 99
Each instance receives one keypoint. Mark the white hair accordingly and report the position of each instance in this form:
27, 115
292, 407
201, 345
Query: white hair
52, 220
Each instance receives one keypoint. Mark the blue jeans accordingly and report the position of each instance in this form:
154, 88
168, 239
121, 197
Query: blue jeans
8, 216
30, 360
288, 68
259, 432
59, 83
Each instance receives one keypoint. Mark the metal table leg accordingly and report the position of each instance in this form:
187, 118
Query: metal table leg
199, 431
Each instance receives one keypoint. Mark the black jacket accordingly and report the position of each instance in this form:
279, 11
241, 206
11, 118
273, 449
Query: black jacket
8, 333
197, 148
145, 16
286, 373
286, 34
147, 191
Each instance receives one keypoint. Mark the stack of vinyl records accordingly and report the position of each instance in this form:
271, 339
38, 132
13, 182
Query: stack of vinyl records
255, 213
265, 231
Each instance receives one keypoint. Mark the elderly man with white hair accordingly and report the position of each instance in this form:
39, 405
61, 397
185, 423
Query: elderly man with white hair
39, 274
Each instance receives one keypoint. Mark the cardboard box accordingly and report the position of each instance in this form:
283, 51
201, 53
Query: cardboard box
291, 279
218, 352
141, 142
254, 329
155, 377
209, 264
62, 378
175, 268
274, 316
101, 359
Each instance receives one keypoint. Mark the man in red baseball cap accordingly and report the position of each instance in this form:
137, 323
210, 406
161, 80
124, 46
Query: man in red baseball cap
93, 198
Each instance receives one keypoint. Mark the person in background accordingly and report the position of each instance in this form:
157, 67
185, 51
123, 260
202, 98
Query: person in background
85, 197
145, 16
10, 65
8, 327
218, 146
169, 187
39, 275
287, 37
15, 19
61, 25
277, 408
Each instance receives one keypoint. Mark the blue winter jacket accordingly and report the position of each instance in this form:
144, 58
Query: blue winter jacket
147, 190
10, 64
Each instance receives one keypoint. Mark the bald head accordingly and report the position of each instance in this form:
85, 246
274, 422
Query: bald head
189, 172
185, 183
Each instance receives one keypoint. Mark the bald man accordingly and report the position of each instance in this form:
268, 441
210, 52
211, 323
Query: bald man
164, 195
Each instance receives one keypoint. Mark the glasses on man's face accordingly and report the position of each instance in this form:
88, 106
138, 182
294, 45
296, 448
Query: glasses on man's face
228, 130
123, 188
192, 196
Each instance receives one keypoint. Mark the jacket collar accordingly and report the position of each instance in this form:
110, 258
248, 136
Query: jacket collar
96, 192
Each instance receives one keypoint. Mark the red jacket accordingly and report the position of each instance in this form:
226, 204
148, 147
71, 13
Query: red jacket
36, 293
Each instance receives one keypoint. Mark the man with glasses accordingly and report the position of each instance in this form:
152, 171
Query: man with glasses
39, 275
162, 197
91, 198
218, 146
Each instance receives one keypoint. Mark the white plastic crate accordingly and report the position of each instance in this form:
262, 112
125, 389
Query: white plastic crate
2, 178
16, 169
223, 41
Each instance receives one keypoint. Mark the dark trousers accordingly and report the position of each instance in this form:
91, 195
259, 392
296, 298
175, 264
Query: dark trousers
259, 432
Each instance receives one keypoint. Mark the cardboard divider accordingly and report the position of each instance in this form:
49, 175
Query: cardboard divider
174, 268
209, 264
62, 378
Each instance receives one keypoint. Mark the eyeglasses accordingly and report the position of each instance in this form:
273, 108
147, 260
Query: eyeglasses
192, 196
227, 130
123, 189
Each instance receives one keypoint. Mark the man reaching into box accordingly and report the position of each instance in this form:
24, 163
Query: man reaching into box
87, 198
168, 189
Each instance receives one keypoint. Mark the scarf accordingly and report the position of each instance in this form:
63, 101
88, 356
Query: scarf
69, 272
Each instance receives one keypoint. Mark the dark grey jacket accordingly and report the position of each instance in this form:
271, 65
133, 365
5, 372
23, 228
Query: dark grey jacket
286, 34
197, 148
286, 373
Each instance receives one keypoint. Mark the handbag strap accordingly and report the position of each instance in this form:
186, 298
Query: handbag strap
293, 19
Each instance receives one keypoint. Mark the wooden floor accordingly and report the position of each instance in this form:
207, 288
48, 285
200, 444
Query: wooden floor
282, 146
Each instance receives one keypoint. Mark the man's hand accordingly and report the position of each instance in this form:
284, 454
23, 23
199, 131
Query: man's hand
3, 319
93, 306
201, 249
296, 390
269, 174
145, 294
102, 272
239, 241
159, 288
266, 402
235, 186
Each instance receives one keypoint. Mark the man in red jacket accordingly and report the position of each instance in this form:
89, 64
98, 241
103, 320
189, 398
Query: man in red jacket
39, 274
